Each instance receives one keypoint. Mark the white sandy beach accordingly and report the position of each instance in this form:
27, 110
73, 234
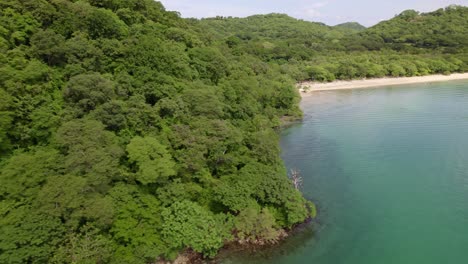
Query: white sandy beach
307, 88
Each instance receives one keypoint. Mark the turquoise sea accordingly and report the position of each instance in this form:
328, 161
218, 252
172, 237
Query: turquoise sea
388, 170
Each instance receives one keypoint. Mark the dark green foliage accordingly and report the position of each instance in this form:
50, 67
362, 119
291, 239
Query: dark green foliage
87, 91
351, 27
104, 23
6, 118
90, 151
49, 46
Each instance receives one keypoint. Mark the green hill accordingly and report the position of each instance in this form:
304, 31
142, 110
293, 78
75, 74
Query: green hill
445, 30
351, 26
270, 26
411, 44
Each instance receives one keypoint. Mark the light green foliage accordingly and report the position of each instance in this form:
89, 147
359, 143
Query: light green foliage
186, 224
152, 159
28, 236
137, 225
296, 208
17, 27
320, 74
396, 70
312, 209
444, 29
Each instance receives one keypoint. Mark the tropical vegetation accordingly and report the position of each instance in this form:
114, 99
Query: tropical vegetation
129, 134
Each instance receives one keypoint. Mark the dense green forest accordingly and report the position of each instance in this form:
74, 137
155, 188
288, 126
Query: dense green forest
129, 134
410, 44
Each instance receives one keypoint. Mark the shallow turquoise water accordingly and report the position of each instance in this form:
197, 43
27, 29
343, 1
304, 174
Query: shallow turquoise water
388, 169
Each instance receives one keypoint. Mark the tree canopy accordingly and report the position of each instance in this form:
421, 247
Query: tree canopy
129, 134
123, 129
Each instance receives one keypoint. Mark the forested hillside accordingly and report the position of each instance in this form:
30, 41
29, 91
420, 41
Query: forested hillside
444, 30
129, 134
410, 44
126, 136
273, 36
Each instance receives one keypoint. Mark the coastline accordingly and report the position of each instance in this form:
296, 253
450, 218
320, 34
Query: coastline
307, 88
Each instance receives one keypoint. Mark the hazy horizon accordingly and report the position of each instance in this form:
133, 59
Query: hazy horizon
330, 12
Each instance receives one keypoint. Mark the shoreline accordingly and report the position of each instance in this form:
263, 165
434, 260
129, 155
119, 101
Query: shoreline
308, 88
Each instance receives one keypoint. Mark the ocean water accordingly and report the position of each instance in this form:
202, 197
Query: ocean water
388, 170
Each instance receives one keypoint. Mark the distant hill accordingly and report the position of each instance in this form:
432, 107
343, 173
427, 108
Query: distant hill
275, 36
444, 29
270, 26
411, 43
353, 26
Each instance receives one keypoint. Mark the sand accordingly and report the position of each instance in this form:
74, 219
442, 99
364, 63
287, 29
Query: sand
307, 88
